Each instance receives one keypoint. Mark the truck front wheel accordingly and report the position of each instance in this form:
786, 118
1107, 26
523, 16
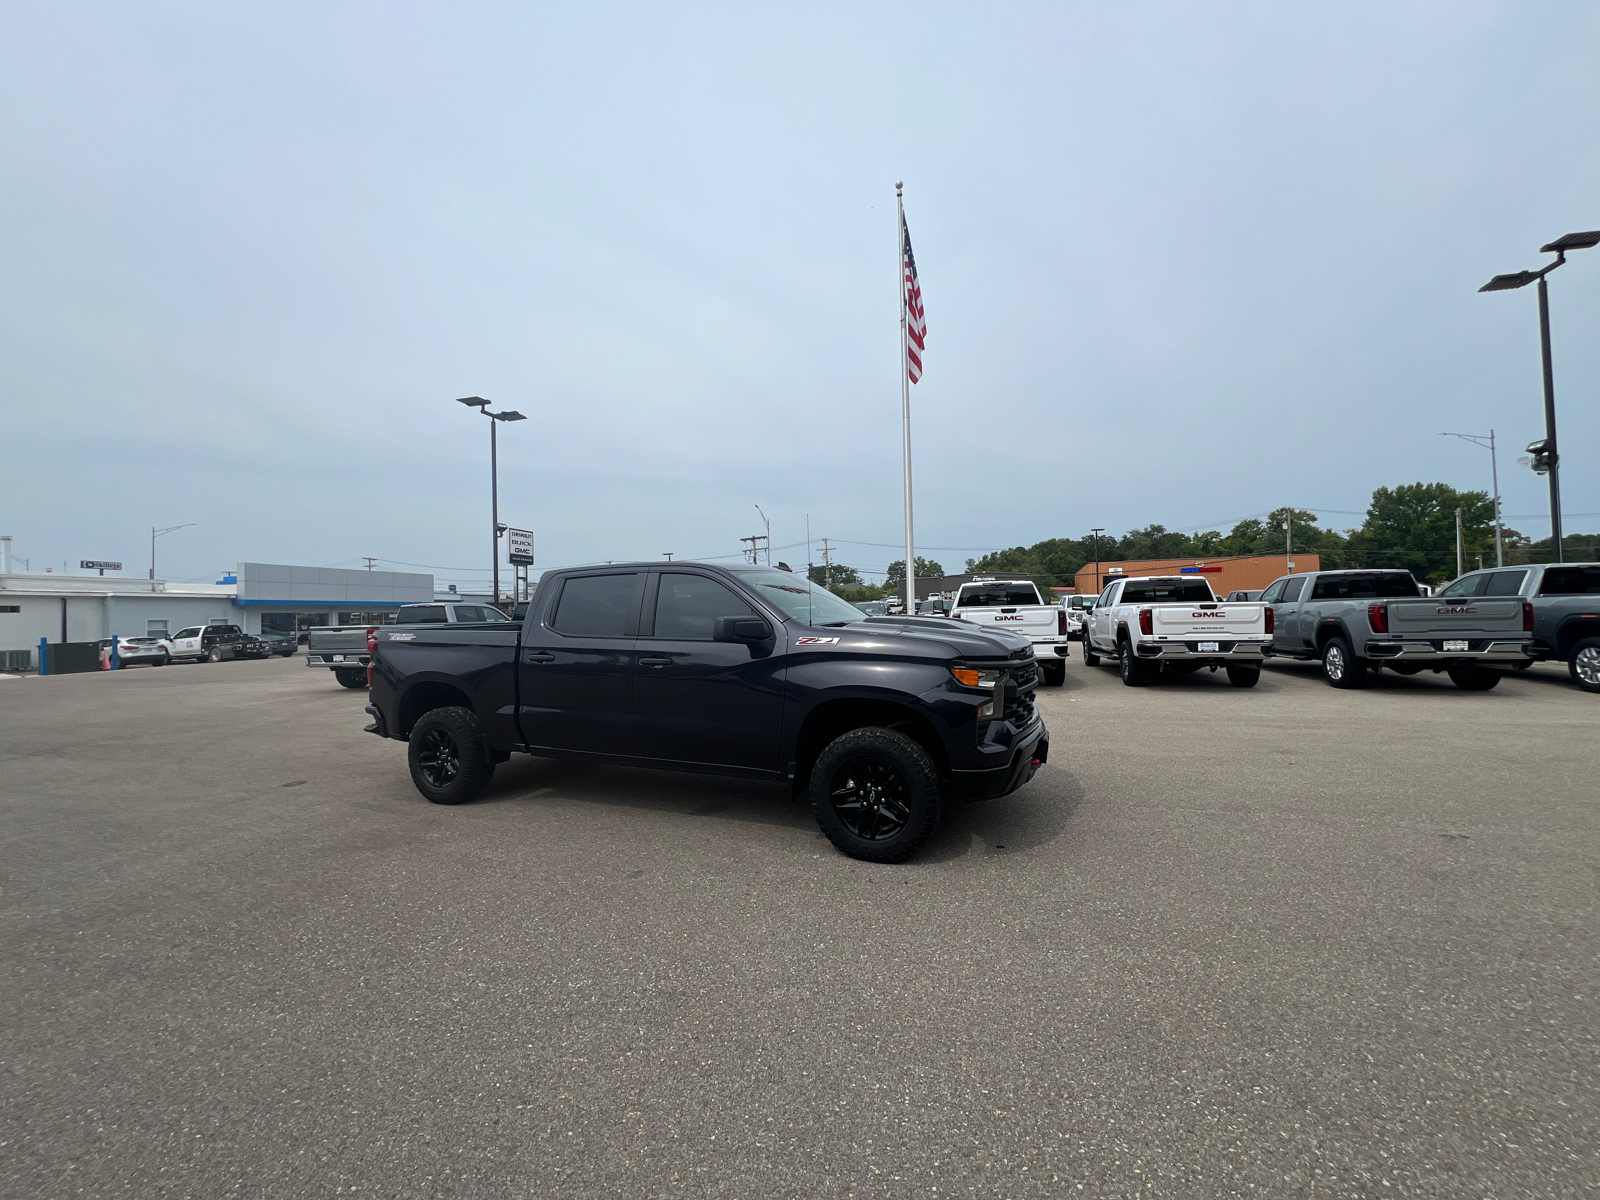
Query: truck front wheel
450, 764
875, 794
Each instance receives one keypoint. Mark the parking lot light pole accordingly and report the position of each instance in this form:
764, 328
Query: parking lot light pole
1097, 533
1506, 283
482, 405
1494, 475
154, 534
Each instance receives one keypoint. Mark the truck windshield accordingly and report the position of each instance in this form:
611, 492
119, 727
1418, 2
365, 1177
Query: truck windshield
1167, 591
998, 595
799, 598
1394, 586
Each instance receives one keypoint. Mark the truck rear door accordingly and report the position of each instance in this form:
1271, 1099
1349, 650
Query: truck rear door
575, 668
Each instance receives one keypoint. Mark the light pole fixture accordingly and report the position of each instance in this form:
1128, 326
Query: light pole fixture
1505, 283
1494, 474
155, 533
482, 405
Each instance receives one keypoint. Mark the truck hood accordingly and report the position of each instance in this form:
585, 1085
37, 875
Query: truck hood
923, 637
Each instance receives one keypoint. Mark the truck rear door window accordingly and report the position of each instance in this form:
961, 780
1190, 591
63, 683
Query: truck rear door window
1467, 585
1571, 581
1364, 587
594, 605
1166, 591
688, 605
467, 613
997, 597
1292, 589
1505, 583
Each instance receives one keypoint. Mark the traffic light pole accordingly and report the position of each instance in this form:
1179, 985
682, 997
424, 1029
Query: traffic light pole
1550, 414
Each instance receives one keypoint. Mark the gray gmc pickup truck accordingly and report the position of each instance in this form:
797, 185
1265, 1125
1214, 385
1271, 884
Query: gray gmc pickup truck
1356, 621
1566, 610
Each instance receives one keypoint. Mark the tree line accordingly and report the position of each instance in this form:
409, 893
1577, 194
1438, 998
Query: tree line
1411, 527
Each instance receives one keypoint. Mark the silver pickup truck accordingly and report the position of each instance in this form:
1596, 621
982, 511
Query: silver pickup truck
1355, 621
343, 649
1566, 610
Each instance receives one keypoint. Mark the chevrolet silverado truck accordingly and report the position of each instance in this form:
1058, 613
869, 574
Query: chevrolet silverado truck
1566, 610
750, 671
1014, 605
344, 649
1356, 621
1175, 623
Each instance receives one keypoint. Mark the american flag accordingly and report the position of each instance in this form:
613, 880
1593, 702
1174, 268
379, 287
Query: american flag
916, 323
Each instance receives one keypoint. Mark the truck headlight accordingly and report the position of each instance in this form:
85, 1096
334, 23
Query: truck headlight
974, 678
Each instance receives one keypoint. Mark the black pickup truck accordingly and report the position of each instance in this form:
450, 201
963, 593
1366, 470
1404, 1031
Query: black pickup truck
747, 671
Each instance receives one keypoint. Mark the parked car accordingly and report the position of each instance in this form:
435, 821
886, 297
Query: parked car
1355, 621
206, 643
874, 608
938, 606
1076, 607
1015, 606
1566, 610
1243, 596
1175, 623
282, 644
137, 651
746, 671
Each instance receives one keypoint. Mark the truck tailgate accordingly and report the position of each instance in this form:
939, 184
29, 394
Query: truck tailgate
1199, 620
1475, 618
1029, 622
339, 641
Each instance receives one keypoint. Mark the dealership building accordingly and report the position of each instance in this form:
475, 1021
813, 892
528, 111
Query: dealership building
258, 596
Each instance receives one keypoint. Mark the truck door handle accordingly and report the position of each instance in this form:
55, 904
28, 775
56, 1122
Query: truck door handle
655, 662
538, 656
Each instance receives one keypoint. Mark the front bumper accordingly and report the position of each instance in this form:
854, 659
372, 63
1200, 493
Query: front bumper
1503, 650
1030, 752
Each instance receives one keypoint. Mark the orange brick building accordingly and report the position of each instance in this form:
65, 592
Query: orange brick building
1243, 573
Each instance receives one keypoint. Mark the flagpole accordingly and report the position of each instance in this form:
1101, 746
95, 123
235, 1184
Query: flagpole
905, 402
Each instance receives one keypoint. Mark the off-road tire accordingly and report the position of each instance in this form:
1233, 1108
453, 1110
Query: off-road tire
875, 794
352, 679
1340, 666
1244, 676
1091, 657
450, 762
1584, 664
1053, 674
1134, 672
1470, 677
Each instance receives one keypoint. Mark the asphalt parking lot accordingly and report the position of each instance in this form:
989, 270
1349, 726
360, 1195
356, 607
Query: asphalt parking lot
1279, 941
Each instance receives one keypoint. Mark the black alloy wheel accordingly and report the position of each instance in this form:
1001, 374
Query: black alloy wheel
450, 764
875, 794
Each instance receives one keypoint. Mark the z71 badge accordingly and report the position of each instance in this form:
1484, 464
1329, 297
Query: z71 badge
816, 641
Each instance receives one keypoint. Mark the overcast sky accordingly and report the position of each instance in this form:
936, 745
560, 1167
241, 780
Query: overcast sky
1182, 263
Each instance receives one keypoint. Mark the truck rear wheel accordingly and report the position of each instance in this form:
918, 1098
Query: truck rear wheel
1244, 676
1053, 674
1133, 671
352, 679
1341, 667
1470, 677
1585, 664
875, 795
450, 764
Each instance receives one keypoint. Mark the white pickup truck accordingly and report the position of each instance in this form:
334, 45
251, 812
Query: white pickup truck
1175, 622
1014, 605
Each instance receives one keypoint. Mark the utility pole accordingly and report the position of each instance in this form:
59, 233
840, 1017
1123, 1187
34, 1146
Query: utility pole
827, 565
1288, 542
668, 553
1461, 559
754, 551
371, 562
1097, 532
768, 524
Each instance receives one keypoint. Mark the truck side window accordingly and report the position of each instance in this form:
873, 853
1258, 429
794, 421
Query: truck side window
188, 633
594, 605
1505, 583
1571, 581
688, 605
1467, 585
1292, 589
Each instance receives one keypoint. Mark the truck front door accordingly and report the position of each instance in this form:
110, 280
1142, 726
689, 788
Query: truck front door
575, 671
1289, 616
700, 701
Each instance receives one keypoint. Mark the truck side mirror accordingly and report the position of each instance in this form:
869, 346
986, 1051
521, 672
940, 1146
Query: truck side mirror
749, 630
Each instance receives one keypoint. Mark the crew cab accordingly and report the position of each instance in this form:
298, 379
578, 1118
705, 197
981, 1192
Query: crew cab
1356, 621
206, 643
344, 649
1175, 623
750, 671
1566, 610
1014, 605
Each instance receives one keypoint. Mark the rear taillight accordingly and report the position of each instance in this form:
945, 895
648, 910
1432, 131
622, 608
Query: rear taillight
1270, 620
1378, 617
1527, 617
1147, 622
1061, 622
372, 652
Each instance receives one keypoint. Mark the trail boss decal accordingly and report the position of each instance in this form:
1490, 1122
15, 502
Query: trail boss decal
400, 637
816, 641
